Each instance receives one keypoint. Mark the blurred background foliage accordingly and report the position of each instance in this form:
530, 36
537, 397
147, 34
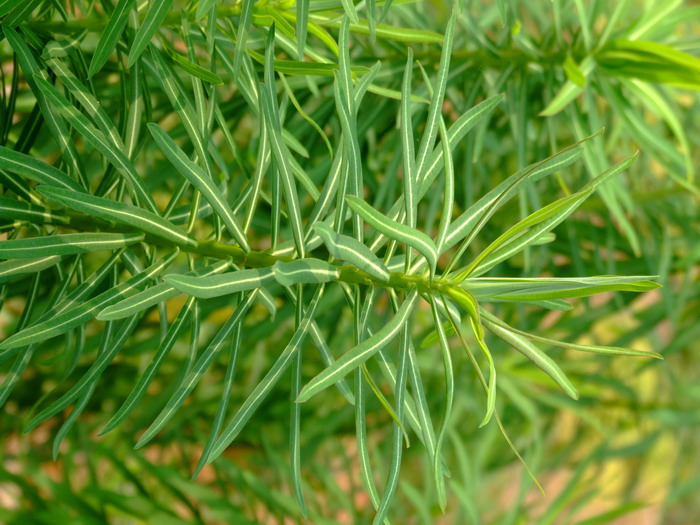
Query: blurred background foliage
626, 452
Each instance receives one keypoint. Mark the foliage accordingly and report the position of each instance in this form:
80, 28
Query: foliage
215, 211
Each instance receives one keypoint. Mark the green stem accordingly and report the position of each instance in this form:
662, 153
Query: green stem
259, 259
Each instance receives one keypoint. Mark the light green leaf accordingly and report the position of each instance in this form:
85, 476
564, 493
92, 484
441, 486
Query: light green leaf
594, 349
119, 212
360, 353
534, 354
549, 288
193, 68
557, 211
571, 88
312, 271
67, 244
217, 285
383, 31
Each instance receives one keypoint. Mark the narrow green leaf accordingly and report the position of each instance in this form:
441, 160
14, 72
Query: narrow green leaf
119, 212
361, 352
181, 103
98, 141
594, 349
35, 169
449, 401
193, 68
110, 36
383, 31
11, 269
89, 378
242, 35
195, 375
435, 110
469, 223
312, 271
223, 403
201, 181
448, 189
396, 231
139, 390
301, 27
76, 315
352, 251
557, 210
21, 211
151, 24
350, 11
66, 244
264, 387
534, 354
217, 285
282, 162
456, 133
548, 288
570, 90
154, 295
54, 121
410, 178
328, 359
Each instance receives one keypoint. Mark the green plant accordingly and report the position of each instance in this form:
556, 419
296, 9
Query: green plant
249, 157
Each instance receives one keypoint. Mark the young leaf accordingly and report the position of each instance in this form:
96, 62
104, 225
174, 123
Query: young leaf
534, 354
